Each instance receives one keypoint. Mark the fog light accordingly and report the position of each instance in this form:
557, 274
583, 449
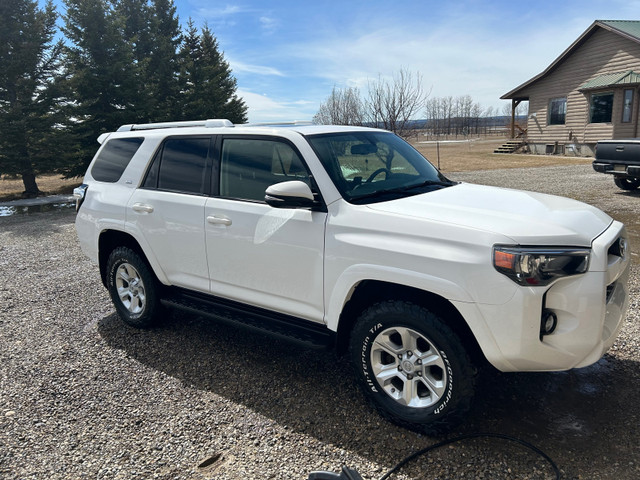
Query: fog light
548, 323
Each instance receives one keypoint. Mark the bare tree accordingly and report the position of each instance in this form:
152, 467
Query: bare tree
392, 104
342, 107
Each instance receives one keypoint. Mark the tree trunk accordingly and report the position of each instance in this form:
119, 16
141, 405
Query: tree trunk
31, 189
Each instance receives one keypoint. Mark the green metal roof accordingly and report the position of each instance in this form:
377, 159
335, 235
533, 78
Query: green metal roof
612, 80
630, 27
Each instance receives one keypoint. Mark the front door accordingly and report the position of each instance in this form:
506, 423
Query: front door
259, 255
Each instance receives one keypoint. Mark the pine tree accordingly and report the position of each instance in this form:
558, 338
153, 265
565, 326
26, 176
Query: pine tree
134, 19
101, 78
208, 87
162, 78
28, 90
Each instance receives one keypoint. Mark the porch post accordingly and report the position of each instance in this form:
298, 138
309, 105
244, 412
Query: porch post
513, 118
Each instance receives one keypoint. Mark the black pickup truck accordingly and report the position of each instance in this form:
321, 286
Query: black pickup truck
620, 158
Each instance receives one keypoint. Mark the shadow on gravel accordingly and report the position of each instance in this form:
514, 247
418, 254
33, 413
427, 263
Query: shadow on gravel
585, 419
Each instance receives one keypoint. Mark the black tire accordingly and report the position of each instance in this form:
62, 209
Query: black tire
626, 183
426, 379
133, 288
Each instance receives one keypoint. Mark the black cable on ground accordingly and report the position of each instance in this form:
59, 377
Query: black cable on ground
435, 446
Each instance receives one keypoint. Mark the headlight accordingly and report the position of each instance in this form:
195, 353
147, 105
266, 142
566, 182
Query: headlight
539, 266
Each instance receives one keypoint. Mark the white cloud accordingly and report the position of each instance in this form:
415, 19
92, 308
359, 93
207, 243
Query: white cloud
269, 24
262, 108
216, 12
255, 69
453, 60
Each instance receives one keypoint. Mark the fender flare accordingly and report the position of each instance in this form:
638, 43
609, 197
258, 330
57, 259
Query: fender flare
355, 274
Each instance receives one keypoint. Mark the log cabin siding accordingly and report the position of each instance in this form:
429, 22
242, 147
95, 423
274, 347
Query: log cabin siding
601, 52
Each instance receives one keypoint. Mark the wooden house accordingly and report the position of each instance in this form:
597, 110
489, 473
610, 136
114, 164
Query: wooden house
589, 93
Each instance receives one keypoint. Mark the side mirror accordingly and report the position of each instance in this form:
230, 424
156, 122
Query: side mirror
293, 194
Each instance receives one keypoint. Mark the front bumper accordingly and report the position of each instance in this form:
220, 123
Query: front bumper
590, 309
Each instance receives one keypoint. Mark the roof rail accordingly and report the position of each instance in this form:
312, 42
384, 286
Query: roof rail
278, 124
210, 123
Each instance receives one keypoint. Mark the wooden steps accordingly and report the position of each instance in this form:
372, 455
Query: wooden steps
510, 147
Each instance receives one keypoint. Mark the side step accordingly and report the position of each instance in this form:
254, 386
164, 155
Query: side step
292, 329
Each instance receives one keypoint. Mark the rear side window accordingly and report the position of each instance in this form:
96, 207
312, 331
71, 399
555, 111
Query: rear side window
114, 158
181, 165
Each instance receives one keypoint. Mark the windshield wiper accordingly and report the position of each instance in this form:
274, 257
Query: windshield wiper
403, 189
428, 183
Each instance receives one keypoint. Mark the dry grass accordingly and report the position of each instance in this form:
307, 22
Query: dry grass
471, 155
11, 189
454, 157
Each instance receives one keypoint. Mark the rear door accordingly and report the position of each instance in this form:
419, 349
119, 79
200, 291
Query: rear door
167, 211
259, 255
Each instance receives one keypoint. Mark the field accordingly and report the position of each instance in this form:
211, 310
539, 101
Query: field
477, 154
451, 156
11, 189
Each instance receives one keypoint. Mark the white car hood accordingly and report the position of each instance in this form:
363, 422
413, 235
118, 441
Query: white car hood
527, 218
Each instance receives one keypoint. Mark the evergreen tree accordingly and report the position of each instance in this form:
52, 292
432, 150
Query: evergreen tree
28, 90
101, 78
208, 87
134, 19
162, 78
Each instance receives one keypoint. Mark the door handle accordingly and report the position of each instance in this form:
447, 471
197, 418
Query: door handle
142, 208
219, 220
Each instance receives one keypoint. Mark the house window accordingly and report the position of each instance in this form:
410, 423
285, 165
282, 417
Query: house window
557, 111
627, 106
601, 107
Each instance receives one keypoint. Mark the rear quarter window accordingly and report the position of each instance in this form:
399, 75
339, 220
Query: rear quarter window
114, 158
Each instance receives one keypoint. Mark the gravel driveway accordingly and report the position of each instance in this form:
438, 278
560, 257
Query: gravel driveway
84, 396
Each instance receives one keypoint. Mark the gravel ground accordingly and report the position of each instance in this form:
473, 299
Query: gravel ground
84, 396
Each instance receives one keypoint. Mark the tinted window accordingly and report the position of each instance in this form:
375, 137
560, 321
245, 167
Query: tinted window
557, 111
114, 158
183, 166
601, 107
249, 166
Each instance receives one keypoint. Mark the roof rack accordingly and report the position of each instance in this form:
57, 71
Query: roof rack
279, 124
210, 123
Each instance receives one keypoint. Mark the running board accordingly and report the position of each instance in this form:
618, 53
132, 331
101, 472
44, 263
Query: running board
292, 329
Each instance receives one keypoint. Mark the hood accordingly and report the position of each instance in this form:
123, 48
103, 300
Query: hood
527, 218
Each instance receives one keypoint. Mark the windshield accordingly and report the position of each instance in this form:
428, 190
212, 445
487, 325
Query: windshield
371, 166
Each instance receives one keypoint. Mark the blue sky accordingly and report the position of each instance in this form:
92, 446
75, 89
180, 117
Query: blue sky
287, 55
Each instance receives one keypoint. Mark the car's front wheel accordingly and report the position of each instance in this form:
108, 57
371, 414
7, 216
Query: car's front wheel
133, 288
412, 366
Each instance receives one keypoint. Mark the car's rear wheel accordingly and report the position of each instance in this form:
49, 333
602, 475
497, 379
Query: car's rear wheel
412, 366
626, 183
133, 288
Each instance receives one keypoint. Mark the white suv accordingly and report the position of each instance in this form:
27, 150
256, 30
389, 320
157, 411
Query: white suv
348, 237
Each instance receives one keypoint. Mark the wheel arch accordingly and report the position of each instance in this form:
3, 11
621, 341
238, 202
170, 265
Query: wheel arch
368, 292
112, 239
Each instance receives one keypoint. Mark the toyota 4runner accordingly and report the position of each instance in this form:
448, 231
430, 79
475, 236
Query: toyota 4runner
348, 237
